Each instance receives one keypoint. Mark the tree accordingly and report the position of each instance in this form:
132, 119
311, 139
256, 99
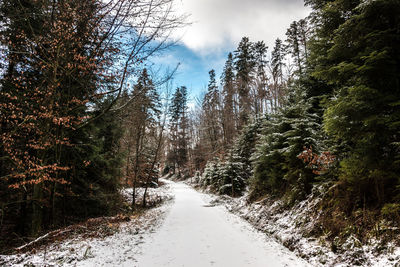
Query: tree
304, 34
47, 88
363, 114
260, 91
65, 67
211, 116
141, 119
178, 129
229, 120
293, 41
277, 168
96, 160
276, 68
244, 67
238, 166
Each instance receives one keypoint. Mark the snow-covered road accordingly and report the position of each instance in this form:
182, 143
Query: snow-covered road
196, 234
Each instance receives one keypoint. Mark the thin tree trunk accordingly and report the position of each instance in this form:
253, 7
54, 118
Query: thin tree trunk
24, 217
139, 144
52, 215
37, 211
153, 164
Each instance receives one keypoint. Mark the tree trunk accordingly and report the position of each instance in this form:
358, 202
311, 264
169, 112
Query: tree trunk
37, 210
52, 217
24, 219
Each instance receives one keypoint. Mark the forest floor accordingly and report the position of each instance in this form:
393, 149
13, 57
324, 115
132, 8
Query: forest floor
188, 231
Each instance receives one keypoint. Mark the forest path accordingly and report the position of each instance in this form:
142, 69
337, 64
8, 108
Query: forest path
196, 234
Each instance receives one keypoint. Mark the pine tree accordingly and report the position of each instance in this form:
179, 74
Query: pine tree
260, 91
96, 163
238, 166
212, 174
55, 60
232, 176
141, 118
244, 67
363, 115
277, 167
178, 153
211, 113
293, 45
229, 106
277, 64
304, 36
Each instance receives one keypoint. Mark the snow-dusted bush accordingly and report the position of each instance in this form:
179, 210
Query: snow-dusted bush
230, 177
211, 174
277, 166
233, 176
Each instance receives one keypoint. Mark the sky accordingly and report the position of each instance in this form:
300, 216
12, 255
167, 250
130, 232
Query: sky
217, 27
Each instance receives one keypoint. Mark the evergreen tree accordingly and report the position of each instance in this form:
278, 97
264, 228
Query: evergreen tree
260, 93
56, 59
238, 167
230, 176
244, 67
142, 116
293, 41
229, 106
304, 35
212, 174
298, 35
277, 168
277, 64
211, 115
363, 115
95, 172
178, 129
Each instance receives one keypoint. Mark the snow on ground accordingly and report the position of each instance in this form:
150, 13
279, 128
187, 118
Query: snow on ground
198, 229
192, 233
154, 195
196, 233
119, 249
291, 227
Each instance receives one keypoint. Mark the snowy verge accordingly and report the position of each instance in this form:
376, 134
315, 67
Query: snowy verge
101, 241
294, 228
153, 195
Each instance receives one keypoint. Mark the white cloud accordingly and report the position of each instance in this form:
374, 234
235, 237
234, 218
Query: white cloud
218, 24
